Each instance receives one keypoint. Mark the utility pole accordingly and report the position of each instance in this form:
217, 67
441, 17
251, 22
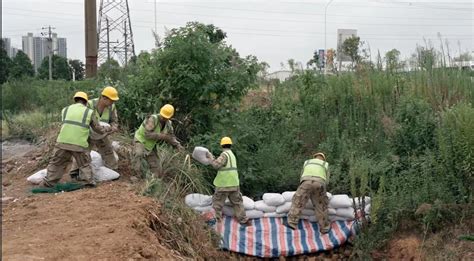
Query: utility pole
50, 48
108, 39
90, 17
126, 45
115, 25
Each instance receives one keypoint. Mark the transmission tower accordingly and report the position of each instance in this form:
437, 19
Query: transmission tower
115, 32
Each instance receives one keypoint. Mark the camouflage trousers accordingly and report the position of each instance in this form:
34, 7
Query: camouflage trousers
315, 190
235, 198
140, 154
106, 151
60, 162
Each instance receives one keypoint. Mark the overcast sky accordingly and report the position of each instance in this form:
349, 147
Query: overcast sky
274, 31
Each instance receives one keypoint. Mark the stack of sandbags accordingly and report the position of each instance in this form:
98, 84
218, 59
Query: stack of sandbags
101, 173
340, 207
203, 203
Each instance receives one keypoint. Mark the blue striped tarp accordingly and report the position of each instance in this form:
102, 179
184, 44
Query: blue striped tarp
269, 237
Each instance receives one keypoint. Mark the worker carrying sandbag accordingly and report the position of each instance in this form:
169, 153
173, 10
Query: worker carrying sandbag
312, 186
227, 182
72, 142
156, 128
105, 110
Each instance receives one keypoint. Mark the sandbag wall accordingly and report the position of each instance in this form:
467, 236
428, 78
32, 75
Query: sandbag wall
341, 207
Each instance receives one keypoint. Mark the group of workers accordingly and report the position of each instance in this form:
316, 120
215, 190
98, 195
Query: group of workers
81, 131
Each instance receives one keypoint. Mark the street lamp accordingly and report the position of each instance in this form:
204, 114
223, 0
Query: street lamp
325, 48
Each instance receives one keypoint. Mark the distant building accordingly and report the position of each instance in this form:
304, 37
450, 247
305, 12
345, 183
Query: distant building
37, 48
342, 35
7, 44
280, 75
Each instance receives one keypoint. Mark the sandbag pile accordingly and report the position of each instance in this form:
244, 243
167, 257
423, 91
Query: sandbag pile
101, 173
340, 207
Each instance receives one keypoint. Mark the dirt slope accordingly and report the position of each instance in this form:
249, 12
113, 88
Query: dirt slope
107, 223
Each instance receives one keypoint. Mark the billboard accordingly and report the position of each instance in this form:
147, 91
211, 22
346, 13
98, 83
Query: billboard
322, 58
342, 35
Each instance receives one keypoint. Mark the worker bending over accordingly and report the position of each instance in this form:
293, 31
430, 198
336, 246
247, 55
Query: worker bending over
72, 142
155, 130
312, 186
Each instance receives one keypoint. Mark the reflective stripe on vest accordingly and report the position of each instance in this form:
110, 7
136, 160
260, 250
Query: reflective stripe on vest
106, 113
228, 176
315, 168
76, 119
140, 133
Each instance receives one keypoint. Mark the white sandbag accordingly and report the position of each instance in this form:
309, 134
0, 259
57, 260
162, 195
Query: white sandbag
200, 154
273, 199
248, 203
37, 177
358, 201
228, 211
96, 136
309, 204
116, 156
307, 212
116, 145
331, 211
260, 205
340, 201
203, 209
288, 195
254, 213
96, 159
197, 200
285, 208
367, 209
347, 213
329, 195
336, 218
309, 218
105, 174
274, 214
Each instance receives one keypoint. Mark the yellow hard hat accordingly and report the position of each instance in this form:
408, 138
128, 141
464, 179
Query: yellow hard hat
167, 111
82, 95
320, 154
111, 93
226, 141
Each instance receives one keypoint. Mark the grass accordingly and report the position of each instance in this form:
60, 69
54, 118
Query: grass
30, 126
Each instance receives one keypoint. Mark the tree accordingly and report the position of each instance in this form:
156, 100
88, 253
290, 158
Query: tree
110, 70
5, 63
316, 61
392, 60
426, 57
21, 66
350, 47
196, 71
60, 68
78, 68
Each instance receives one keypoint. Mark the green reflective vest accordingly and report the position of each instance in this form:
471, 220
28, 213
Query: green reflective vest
76, 119
228, 176
140, 133
315, 168
106, 113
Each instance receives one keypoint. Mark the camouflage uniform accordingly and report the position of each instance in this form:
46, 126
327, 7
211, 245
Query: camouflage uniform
64, 153
233, 193
313, 188
140, 153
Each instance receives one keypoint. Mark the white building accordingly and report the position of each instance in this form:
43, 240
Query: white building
280, 75
11, 51
37, 48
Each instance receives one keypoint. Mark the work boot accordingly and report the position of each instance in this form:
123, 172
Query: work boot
245, 222
325, 230
290, 225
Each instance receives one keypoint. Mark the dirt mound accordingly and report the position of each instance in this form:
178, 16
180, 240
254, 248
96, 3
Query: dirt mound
108, 222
